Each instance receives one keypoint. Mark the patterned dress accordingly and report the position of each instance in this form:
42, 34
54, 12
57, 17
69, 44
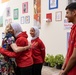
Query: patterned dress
7, 65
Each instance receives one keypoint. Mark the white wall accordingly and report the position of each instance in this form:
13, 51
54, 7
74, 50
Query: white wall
53, 34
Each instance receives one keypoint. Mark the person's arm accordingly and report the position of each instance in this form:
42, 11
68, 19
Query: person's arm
63, 67
71, 62
18, 48
43, 53
42, 48
8, 53
64, 64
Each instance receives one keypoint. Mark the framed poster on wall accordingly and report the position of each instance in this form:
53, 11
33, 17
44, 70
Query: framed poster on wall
22, 20
8, 11
25, 7
37, 13
1, 21
6, 21
27, 19
16, 14
58, 16
53, 4
67, 25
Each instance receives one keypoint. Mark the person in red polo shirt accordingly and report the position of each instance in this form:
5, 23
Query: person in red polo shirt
38, 51
23, 59
69, 66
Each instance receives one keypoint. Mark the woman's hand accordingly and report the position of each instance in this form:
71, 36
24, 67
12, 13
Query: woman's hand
34, 44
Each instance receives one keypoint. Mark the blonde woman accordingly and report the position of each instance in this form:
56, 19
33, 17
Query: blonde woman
23, 59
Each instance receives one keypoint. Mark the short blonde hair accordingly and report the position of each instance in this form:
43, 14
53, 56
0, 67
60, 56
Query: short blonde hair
7, 28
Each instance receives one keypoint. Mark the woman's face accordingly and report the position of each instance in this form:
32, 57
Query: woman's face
9, 29
32, 32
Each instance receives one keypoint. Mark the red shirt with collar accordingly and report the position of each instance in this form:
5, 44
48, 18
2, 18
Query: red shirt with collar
71, 46
38, 51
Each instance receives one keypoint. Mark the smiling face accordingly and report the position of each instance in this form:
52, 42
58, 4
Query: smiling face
70, 15
32, 32
71, 12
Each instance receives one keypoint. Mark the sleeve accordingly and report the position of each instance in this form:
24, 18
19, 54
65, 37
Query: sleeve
75, 40
75, 43
8, 53
42, 48
21, 42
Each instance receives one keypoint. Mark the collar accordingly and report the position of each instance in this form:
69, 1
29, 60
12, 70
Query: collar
73, 26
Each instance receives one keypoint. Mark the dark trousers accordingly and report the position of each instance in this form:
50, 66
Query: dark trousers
37, 69
24, 71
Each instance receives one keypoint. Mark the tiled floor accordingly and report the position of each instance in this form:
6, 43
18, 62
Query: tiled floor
50, 71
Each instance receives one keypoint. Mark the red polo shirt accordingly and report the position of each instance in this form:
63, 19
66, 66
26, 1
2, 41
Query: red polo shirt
71, 46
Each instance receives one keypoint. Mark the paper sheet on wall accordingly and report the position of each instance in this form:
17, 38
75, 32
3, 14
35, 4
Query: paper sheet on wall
4, 1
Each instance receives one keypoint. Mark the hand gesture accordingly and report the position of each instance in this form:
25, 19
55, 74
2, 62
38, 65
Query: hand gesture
34, 44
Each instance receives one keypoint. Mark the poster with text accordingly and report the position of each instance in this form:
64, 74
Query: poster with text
67, 25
